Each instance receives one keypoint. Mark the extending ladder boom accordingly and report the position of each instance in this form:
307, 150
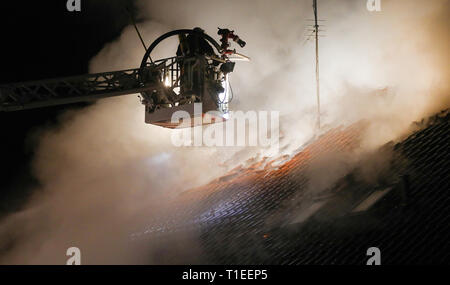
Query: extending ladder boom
37, 94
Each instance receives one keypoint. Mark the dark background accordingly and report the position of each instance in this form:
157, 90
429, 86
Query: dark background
39, 40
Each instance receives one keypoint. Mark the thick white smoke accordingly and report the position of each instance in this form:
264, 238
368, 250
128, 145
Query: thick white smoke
104, 172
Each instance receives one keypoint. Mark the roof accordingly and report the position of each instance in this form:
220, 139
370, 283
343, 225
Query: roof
267, 213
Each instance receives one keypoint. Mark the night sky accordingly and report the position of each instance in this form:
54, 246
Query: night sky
41, 39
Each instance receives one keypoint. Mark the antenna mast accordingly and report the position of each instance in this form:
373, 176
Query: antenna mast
316, 31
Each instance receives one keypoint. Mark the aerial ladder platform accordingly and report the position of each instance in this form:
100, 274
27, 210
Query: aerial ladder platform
165, 85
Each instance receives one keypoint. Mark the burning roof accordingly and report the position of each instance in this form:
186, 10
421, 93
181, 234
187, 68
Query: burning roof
267, 213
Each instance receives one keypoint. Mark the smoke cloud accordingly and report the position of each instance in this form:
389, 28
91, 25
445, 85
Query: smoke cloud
103, 172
